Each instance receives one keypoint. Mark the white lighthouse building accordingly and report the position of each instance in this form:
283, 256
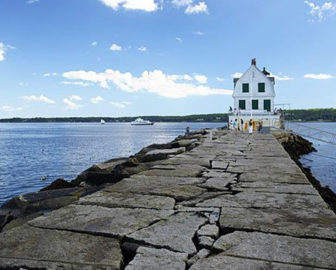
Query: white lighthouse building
254, 99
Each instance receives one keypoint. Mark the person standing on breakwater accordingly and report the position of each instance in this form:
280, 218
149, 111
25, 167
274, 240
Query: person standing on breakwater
235, 125
187, 131
260, 126
250, 126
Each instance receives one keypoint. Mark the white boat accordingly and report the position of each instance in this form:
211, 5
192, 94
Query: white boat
102, 121
141, 122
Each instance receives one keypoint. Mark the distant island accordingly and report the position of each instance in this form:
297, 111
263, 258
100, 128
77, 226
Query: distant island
327, 115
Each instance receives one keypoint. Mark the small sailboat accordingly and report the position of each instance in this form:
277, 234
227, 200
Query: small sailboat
141, 122
102, 121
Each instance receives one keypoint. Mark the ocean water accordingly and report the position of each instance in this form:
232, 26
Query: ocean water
323, 162
32, 151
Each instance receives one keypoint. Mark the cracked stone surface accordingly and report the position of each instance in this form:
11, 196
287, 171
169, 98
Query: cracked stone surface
266, 200
175, 170
153, 259
205, 242
215, 164
180, 188
312, 222
210, 230
218, 183
276, 188
285, 249
223, 262
53, 249
97, 219
116, 199
176, 232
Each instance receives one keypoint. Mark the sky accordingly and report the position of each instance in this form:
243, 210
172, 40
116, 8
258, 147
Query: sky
160, 57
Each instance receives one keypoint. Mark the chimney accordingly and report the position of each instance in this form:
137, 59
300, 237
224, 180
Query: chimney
254, 62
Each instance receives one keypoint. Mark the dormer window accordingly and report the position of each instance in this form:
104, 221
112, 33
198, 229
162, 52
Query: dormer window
261, 87
245, 87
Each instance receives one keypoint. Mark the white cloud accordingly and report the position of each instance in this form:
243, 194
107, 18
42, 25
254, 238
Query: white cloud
32, 1
115, 47
84, 84
50, 74
94, 43
282, 77
6, 108
142, 49
201, 78
201, 7
182, 3
199, 33
3, 49
75, 98
120, 105
237, 75
71, 105
220, 79
150, 81
179, 39
187, 77
41, 98
96, 100
321, 11
320, 76
145, 5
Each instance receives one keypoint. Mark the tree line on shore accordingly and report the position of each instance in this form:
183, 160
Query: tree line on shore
290, 115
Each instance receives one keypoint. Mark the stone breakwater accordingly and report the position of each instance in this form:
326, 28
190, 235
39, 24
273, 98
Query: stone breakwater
217, 200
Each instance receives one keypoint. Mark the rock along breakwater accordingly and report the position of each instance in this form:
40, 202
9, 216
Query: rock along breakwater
211, 200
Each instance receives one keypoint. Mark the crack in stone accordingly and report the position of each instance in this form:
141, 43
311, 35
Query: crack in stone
280, 262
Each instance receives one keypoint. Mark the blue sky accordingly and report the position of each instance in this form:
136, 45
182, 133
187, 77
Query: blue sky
160, 57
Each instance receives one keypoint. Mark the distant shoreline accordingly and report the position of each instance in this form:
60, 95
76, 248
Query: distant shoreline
309, 115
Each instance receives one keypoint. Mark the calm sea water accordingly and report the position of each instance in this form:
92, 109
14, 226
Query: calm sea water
322, 162
63, 150
29, 152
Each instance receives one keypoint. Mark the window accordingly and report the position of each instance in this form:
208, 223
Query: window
242, 104
267, 105
255, 104
245, 87
261, 87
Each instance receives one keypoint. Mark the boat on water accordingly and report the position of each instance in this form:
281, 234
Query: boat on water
141, 122
102, 121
